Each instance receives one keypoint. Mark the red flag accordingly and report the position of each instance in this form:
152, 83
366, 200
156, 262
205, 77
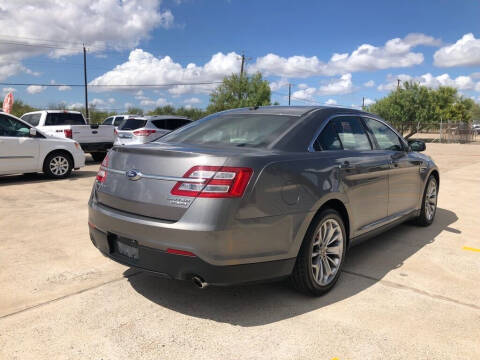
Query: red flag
8, 103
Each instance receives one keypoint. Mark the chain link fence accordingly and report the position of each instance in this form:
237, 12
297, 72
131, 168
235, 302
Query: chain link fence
444, 132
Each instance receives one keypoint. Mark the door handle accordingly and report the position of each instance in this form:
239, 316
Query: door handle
346, 165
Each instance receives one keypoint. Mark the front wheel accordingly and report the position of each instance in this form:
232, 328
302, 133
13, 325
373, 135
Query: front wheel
58, 165
322, 254
429, 203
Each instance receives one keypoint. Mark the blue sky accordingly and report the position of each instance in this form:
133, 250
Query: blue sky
376, 42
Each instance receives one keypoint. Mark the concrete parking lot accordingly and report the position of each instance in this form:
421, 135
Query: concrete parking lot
411, 293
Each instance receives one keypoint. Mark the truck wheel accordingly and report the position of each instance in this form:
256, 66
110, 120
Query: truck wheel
98, 156
58, 165
322, 254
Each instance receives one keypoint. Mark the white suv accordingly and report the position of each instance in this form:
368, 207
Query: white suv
24, 149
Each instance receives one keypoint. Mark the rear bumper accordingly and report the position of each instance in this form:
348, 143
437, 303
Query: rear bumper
181, 267
96, 147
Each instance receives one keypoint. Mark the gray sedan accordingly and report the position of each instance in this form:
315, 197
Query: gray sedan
261, 193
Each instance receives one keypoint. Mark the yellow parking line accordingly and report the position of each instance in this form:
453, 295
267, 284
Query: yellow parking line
470, 249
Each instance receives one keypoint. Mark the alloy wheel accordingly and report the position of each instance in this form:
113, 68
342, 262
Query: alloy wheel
59, 165
327, 251
431, 199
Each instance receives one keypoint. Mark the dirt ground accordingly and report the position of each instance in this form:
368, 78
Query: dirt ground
411, 293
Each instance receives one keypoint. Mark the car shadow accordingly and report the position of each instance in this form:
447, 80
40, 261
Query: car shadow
32, 178
259, 304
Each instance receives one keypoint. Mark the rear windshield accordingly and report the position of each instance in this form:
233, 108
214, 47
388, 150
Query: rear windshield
132, 124
59, 119
32, 119
251, 130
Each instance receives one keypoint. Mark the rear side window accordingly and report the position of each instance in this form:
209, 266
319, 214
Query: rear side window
170, 124
32, 119
328, 139
351, 133
133, 124
108, 121
59, 119
161, 124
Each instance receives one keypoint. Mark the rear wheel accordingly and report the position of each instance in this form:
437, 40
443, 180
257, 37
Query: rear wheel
98, 156
58, 165
322, 254
429, 203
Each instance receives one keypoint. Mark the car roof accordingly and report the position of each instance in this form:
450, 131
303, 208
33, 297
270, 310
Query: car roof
53, 111
293, 110
162, 117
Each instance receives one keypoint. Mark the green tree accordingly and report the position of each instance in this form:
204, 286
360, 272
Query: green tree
191, 113
476, 112
236, 91
413, 107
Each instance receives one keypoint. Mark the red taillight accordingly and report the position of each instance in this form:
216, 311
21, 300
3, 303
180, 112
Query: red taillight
218, 182
102, 173
68, 133
180, 252
144, 132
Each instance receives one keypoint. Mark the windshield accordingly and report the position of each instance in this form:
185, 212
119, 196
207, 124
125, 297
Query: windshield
251, 130
132, 124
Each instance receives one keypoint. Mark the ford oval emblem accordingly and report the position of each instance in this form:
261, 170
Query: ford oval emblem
133, 174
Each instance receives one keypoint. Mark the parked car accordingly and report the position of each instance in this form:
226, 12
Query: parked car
116, 120
476, 128
261, 193
94, 139
145, 129
24, 149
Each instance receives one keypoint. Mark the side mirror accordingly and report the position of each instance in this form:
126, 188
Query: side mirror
417, 145
33, 132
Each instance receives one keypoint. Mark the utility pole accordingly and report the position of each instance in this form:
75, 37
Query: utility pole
398, 84
289, 93
363, 103
85, 82
243, 65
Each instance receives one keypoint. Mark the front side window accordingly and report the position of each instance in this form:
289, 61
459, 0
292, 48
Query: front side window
108, 121
250, 130
351, 133
386, 138
12, 127
32, 119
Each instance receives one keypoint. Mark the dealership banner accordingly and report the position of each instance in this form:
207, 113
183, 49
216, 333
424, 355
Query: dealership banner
8, 103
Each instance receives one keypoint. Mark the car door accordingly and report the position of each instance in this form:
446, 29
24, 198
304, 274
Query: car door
404, 175
18, 151
363, 171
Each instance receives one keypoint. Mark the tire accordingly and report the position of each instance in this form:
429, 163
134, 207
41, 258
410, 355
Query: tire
310, 272
58, 165
429, 203
98, 156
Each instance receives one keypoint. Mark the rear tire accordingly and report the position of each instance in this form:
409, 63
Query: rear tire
98, 156
429, 203
58, 165
321, 255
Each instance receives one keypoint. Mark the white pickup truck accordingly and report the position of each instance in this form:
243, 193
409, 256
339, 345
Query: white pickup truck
94, 139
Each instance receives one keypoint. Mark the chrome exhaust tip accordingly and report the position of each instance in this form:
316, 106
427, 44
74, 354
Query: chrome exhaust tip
199, 282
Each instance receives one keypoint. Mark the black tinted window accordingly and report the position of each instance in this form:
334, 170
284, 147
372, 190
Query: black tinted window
351, 133
118, 120
32, 119
132, 124
12, 127
386, 138
161, 124
328, 139
58, 119
174, 124
252, 130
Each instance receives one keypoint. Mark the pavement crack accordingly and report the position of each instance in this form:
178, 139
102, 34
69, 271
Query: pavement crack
410, 288
69, 295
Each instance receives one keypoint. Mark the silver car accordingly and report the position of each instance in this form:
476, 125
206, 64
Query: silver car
145, 129
261, 193
116, 120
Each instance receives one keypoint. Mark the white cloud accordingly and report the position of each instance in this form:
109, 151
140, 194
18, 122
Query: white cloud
144, 68
36, 89
58, 22
97, 102
150, 103
369, 83
302, 86
394, 54
75, 106
304, 94
277, 85
111, 100
193, 100
465, 52
331, 102
8, 90
368, 101
340, 86
64, 88
128, 105
460, 82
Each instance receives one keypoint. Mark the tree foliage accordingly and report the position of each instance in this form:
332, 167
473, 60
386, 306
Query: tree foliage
191, 113
240, 91
412, 107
